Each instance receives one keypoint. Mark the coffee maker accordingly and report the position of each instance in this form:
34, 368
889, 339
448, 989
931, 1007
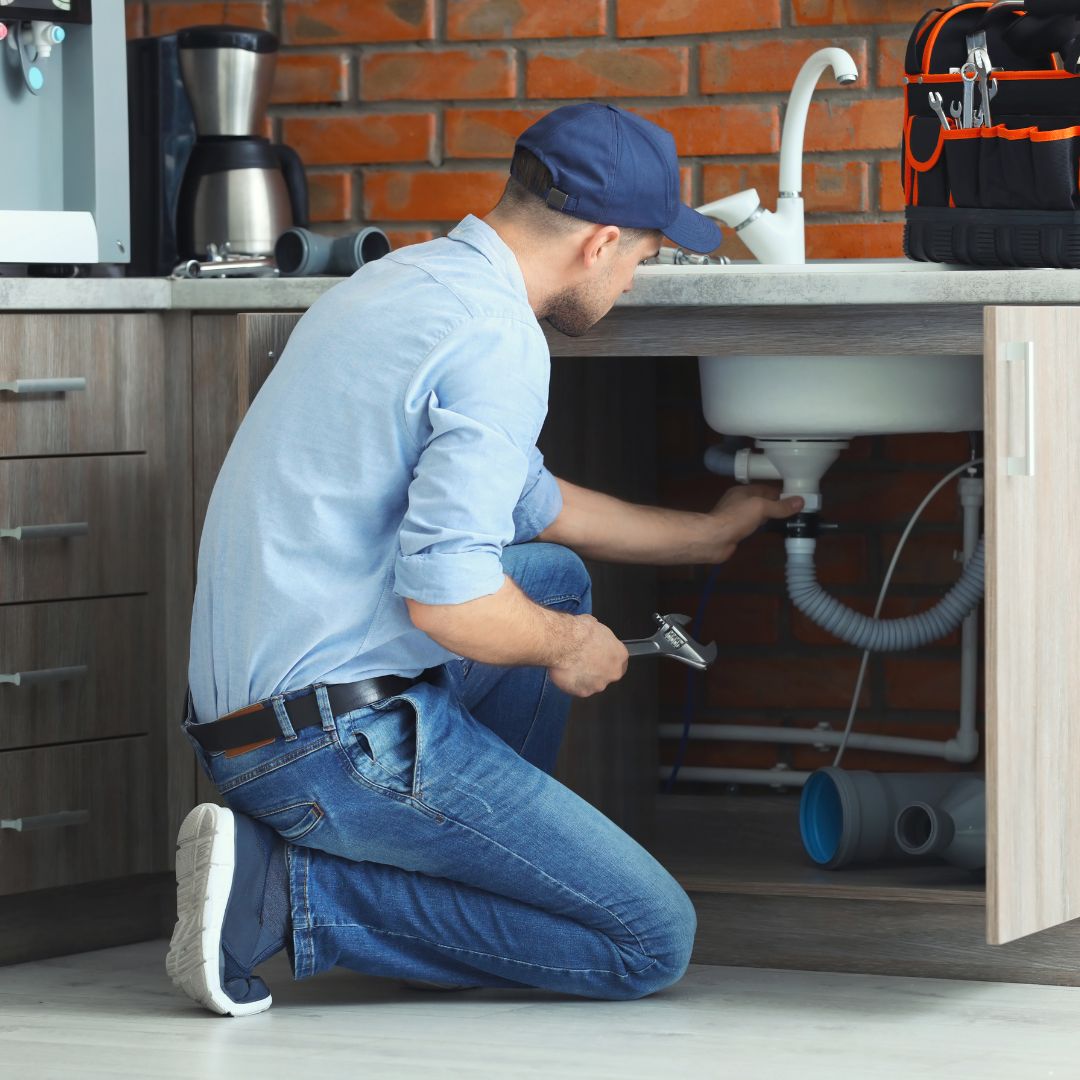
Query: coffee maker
202, 173
240, 191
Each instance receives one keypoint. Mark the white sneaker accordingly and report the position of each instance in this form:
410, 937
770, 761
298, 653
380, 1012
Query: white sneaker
205, 867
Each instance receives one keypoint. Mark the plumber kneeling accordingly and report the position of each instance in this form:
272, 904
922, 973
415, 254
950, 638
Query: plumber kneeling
392, 615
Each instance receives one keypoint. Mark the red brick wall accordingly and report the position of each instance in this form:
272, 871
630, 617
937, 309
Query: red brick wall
406, 111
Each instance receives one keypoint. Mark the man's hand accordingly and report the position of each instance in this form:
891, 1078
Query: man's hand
741, 512
596, 659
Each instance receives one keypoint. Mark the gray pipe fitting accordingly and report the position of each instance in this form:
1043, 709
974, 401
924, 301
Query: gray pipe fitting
953, 828
302, 253
860, 817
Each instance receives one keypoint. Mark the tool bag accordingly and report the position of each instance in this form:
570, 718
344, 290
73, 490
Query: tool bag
1006, 193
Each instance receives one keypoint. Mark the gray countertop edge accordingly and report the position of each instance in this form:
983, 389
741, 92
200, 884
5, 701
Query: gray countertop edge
854, 283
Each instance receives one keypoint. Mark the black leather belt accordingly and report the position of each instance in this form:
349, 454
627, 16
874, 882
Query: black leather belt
258, 723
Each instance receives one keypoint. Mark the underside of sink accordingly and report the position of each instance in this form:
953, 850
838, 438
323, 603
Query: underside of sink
838, 397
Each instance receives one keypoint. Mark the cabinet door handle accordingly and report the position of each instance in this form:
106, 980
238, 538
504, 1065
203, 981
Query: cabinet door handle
1023, 352
44, 675
45, 532
55, 820
44, 386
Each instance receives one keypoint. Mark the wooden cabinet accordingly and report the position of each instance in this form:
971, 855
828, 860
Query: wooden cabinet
92, 513
134, 452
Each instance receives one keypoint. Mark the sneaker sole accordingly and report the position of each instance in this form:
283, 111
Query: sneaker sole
205, 859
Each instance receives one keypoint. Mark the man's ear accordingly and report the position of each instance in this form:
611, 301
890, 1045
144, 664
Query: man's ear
600, 243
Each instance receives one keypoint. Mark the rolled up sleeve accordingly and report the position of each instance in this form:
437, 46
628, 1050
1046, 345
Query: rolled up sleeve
475, 406
540, 501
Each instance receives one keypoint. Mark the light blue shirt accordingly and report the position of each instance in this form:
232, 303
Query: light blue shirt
391, 453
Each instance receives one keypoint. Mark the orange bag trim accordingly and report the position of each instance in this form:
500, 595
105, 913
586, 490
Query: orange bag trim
1038, 135
1004, 75
912, 161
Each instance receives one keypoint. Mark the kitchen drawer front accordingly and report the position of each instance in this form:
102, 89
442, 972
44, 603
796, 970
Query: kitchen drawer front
118, 356
83, 669
109, 495
109, 784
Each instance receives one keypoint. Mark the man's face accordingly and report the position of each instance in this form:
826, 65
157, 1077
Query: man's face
578, 308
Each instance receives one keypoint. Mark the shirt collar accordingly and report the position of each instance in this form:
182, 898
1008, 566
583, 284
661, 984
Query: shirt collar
478, 234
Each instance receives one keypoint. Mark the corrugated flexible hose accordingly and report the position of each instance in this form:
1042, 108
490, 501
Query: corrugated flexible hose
884, 635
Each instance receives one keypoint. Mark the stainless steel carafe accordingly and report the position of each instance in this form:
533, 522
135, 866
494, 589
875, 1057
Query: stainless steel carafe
240, 191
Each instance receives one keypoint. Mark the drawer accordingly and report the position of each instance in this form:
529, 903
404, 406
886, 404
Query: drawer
106, 787
84, 669
109, 364
102, 502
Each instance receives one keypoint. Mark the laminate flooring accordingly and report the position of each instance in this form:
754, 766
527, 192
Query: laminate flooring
114, 1014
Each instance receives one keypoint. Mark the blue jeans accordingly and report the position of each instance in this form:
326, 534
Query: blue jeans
427, 839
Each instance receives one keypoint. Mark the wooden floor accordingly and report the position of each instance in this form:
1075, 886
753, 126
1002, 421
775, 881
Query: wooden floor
114, 1014
763, 902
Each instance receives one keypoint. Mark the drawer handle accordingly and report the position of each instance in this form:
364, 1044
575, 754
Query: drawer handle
46, 821
44, 386
45, 532
44, 675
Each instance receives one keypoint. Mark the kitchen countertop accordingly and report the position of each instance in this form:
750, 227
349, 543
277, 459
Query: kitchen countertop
826, 284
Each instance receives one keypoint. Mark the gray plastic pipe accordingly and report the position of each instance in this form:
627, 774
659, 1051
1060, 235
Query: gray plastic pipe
860, 817
880, 635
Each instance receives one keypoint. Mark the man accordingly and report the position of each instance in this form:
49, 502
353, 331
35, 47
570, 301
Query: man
381, 667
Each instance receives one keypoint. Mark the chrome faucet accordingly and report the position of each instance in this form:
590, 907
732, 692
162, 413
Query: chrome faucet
780, 237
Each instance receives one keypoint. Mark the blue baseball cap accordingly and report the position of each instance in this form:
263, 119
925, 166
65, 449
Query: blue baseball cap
612, 167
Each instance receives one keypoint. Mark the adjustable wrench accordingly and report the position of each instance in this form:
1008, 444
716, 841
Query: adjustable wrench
671, 640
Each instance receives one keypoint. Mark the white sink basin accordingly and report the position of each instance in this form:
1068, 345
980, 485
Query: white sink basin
838, 397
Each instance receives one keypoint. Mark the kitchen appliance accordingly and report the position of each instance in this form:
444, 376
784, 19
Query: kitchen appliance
162, 133
239, 191
64, 192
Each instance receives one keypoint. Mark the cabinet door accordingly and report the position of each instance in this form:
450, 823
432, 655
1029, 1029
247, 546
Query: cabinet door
1033, 630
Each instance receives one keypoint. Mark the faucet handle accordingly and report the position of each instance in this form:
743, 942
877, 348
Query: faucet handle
734, 209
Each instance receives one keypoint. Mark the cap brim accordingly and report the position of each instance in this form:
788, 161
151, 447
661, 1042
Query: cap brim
694, 231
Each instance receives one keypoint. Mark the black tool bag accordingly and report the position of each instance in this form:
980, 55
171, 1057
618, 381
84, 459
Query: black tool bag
1006, 193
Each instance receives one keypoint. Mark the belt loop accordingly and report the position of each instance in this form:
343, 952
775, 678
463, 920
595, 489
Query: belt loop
278, 701
325, 711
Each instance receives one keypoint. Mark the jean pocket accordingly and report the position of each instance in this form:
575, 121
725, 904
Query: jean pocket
292, 822
230, 773
381, 742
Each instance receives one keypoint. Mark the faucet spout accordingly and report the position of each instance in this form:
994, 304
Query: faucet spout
780, 237
791, 141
